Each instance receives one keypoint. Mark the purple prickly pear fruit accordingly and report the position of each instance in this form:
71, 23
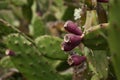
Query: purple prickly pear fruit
67, 46
9, 52
72, 28
72, 39
75, 60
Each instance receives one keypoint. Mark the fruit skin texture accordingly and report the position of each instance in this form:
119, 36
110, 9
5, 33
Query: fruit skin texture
104, 1
70, 42
67, 46
72, 39
71, 27
75, 60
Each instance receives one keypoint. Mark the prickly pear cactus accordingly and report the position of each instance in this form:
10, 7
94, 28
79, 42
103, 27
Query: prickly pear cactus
49, 46
98, 63
42, 45
28, 61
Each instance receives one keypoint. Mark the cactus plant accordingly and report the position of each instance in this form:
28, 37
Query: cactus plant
98, 59
85, 48
28, 61
50, 47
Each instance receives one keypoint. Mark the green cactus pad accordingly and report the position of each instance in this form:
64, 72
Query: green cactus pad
49, 46
96, 40
96, 43
37, 27
31, 64
98, 62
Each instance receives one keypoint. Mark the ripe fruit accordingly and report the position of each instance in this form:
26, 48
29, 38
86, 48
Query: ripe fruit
72, 28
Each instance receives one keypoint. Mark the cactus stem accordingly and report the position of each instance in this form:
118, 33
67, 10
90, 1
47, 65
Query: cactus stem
88, 22
97, 27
